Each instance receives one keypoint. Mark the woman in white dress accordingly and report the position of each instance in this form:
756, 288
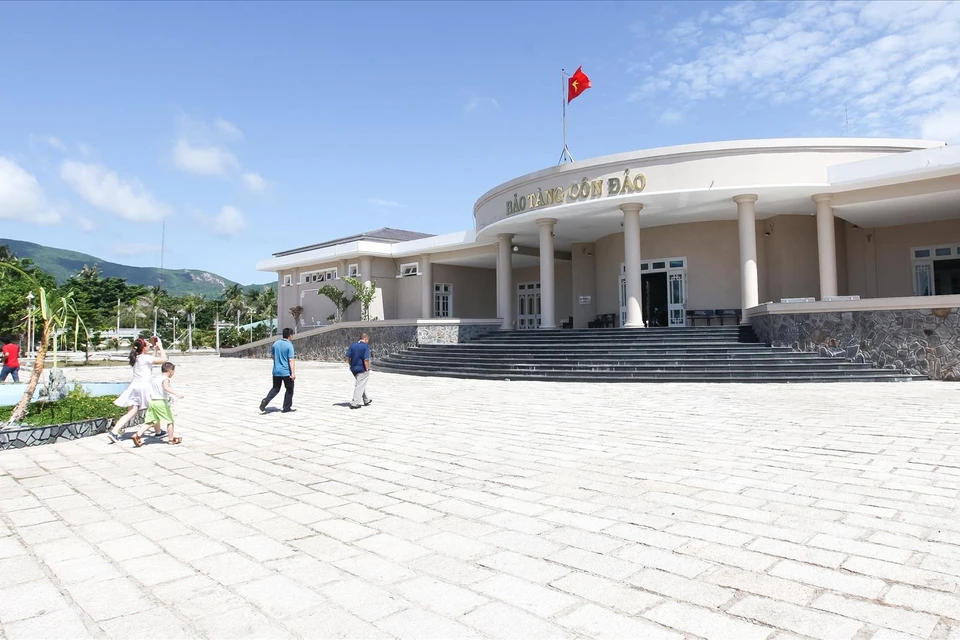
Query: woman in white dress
138, 395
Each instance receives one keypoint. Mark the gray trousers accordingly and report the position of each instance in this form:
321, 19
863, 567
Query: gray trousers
360, 390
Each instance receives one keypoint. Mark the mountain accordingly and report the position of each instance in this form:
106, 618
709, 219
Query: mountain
62, 264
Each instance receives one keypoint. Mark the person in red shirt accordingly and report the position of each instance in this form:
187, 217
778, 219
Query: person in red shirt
11, 360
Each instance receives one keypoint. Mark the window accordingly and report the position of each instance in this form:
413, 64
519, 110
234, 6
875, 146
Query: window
442, 300
287, 280
353, 270
410, 269
318, 276
936, 270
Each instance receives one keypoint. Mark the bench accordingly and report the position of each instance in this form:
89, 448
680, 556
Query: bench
706, 317
603, 321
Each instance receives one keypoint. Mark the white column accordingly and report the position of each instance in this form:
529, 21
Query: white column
366, 269
426, 291
548, 311
505, 291
747, 218
631, 263
826, 245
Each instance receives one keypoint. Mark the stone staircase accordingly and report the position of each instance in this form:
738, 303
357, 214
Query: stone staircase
681, 354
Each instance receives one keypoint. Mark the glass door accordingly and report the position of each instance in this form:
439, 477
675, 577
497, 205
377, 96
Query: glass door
923, 284
623, 298
528, 305
677, 297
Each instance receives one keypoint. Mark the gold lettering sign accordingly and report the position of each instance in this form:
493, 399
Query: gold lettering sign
583, 190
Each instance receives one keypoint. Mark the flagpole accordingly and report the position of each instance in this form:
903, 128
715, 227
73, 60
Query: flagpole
565, 154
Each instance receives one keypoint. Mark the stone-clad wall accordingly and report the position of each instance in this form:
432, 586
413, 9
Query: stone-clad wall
17, 438
917, 341
330, 343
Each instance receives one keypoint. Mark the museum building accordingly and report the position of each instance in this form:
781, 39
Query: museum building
678, 236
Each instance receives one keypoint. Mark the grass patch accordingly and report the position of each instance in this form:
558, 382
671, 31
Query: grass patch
75, 407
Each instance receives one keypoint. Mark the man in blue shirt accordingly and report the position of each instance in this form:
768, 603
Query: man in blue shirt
358, 357
284, 372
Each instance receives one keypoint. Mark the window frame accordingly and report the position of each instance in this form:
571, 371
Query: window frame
318, 276
405, 269
438, 292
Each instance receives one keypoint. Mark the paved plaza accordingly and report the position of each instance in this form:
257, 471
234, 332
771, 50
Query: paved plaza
460, 509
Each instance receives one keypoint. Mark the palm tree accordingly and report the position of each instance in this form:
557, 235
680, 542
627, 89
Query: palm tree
137, 310
234, 301
191, 305
153, 300
263, 302
269, 301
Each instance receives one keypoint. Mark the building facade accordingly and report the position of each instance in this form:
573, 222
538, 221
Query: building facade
664, 237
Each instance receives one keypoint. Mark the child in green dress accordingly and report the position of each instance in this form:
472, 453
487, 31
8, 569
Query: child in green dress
159, 412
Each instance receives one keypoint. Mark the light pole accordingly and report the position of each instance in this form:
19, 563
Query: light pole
30, 338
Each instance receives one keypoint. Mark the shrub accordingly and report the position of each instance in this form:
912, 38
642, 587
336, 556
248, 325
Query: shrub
77, 406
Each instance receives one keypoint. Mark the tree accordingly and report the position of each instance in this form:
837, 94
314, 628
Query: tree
268, 306
189, 308
54, 316
138, 308
154, 300
14, 289
364, 294
296, 312
234, 301
338, 297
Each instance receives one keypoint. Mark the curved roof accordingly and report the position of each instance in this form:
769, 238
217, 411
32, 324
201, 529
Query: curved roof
679, 153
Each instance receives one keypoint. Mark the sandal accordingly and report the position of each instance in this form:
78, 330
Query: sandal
137, 441
177, 440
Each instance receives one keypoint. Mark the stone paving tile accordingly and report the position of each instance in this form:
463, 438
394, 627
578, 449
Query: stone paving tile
454, 508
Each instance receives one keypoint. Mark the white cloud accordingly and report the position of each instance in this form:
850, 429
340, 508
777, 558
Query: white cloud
255, 182
204, 160
85, 224
475, 102
105, 190
228, 129
943, 125
55, 142
229, 222
128, 249
21, 197
671, 116
385, 203
892, 65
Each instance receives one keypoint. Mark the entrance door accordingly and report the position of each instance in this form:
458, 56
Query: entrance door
663, 285
528, 305
677, 297
923, 278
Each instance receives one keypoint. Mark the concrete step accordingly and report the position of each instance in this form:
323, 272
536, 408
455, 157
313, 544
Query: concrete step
728, 354
871, 376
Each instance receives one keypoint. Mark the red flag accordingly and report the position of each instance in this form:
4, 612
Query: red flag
577, 84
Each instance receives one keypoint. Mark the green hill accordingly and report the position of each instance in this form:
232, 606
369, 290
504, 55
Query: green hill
62, 264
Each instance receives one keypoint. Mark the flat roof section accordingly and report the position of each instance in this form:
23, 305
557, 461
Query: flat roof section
384, 234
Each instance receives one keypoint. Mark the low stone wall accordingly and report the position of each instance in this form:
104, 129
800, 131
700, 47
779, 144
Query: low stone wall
917, 341
329, 343
49, 434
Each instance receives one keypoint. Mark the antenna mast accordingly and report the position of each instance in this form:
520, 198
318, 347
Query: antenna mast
163, 236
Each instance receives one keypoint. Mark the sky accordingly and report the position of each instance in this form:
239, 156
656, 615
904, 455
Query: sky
250, 128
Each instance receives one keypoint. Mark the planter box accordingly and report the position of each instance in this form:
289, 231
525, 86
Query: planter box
52, 433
